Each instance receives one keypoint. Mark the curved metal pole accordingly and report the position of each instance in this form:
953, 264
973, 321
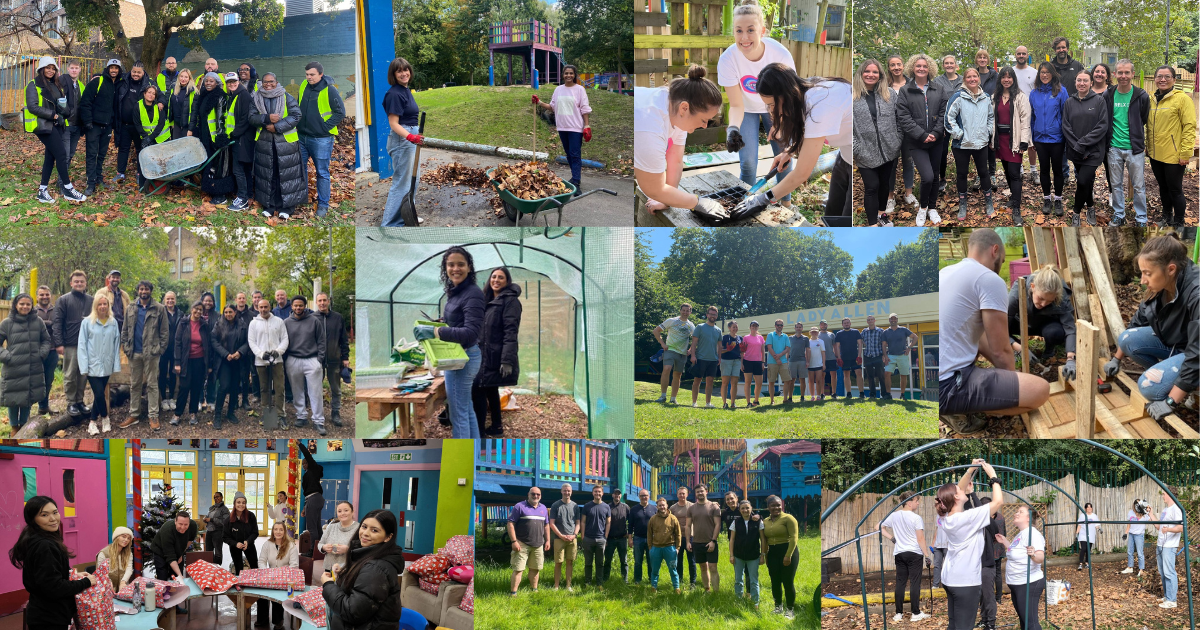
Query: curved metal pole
878, 471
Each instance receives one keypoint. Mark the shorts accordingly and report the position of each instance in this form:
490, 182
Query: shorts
899, 363
528, 557
776, 370
978, 389
832, 366
674, 360
797, 370
705, 369
753, 368
565, 550
731, 367
703, 556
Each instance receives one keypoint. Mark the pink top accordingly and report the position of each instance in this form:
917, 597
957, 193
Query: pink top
570, 104
754, 347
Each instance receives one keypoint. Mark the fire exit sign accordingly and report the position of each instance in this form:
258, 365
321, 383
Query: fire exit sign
401, 457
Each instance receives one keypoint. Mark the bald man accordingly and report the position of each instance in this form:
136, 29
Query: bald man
167, 76
210, 65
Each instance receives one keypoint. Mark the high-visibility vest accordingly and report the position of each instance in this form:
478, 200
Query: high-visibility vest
30, 118
290, 136
230, 121
148, 124
322, 105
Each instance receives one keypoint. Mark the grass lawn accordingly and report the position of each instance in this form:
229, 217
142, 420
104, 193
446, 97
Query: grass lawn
627, 606
503, 116
841, 418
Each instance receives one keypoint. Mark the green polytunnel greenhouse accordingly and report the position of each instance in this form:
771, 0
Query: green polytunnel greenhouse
576, 296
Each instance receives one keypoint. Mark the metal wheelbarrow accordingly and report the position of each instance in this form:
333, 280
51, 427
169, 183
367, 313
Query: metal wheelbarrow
175, 161
514, 206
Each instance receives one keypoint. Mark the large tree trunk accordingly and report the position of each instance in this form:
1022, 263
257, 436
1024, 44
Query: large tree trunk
154, 44
120, 43
1123, 248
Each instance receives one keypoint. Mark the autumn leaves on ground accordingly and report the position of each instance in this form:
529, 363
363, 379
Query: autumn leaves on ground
123, 205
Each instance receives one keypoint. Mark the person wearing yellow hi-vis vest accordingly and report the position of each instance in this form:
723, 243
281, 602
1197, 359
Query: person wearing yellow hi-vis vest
180, 104
237, 126
72, 88
46, 114
321, 111
208, 124
168, 76
280, 180
150, 123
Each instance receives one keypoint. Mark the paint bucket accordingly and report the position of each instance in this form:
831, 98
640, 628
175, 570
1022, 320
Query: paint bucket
1057, 591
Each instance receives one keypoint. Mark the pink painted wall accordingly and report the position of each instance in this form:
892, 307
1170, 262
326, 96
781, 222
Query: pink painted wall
85, 521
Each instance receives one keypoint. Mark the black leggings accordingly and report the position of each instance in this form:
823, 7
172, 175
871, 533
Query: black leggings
783, 578
962, 603
1046, 327
875, 180
99, 395
191, 388
1012, 173
908, 571
236, 554
1050, 161
1084, 551
1170, 188
839, 205
229, 378
945, 159
55, 156
1085, 184
962, 163
925, 157
1033, 592
486, 398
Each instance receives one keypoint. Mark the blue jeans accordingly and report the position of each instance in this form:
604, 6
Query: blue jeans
458, 396
658, 555
320, 150
1136, 542
641, 549
573, 146
750, 568
1144, 347
1118, 161
402, 152
1166, 568
748, 155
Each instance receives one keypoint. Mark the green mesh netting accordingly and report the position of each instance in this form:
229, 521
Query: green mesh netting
576, 298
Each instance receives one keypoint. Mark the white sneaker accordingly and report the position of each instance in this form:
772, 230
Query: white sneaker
710, 406
898, 617
673, 402
92, 430
921, 217
934, 217
1140, 573
779, 610
694, 403
1127, 571
891, 206
1167, 605
788, 613
921, 616
105, 426
910, 200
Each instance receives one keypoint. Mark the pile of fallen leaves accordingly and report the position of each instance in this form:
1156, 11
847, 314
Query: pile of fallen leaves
455, 174
529, 180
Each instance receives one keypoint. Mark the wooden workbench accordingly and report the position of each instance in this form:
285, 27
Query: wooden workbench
701, 184
412, 410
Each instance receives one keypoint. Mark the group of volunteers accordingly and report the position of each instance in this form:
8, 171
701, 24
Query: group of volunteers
798, 115
658, 533
812, 360
1163, 335
485, 322
273, 133
182, 359
1056, 112
359, 582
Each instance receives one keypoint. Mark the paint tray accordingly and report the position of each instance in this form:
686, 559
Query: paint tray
443, 355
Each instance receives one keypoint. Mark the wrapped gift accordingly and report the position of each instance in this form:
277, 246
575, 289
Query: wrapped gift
95, 605
460, 550
468, 600
432, 564
211, 577
428, 587
162, 589
462, 574
314, 605
279, 578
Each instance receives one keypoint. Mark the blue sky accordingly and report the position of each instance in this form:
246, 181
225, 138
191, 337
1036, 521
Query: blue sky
864, 244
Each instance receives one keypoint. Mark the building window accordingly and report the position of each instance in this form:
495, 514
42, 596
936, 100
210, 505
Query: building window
929, 358
172, 266
188, 265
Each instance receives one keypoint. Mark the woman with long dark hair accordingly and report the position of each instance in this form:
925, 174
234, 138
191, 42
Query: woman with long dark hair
962, 567
1085, 535
241, 530
498, 341
1011, 136
45, 565
463, 315
229, 344
1046, 103
804, 115
192, 358
896, 80
365, 594
403, 117
209, 318
877, 137
24, 346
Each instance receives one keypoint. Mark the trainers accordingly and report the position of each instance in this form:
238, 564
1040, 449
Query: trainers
105, 425
921, 616
324, 210
239, 204
779, 610
934, 217
92, 430
710, 406
220, 200
661, 399
788, 613
285, 215
910, 200
898, 617
1167, 605
43, 196
266, 214
70, 194
1127, 571
90, 190
118, 177
193, 420
173, 422
673, 402
132, 420
1117, 222
1046, 205
921, 214
1080, 567
891, 206
966, 424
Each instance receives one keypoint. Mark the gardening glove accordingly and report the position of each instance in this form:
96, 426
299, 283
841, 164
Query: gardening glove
1024, 147
839, 362
535, 100
1069, 370
415, 139
858, 360
506, 370
928, 562
1124, 536
587, 134
1159, 409
710, 209
1111, 368
423, 332
733, 139
750, 206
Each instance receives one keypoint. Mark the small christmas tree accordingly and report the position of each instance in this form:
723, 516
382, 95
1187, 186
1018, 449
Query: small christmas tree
159, 511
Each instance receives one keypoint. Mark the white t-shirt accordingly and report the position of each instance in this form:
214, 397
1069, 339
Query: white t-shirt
904, 526
1088, 532
1170, 539
939, 539
964, 546
830, 114
653, 132
733, 68
1137, 525
1018, 559
815, 348
966, 289
1025, 78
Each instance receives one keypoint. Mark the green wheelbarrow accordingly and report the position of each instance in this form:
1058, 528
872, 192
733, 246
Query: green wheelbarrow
514, 206
175, 161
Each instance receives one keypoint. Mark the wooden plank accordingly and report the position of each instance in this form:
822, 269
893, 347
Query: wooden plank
1029, 246
1044, 255
1058, 387
1149, 429
678, 29
1085, 401
1102, 286
1078, 282
641, 18
1102, 352
649, 66
1136, 399
641, 79
1098, 233
1181, 427
1028, 424
1024, 326
1061, 253
713, 55
1115, 429
1038, 426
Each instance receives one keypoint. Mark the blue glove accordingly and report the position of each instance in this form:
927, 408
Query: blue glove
423, 332
1069, 370
1158, 409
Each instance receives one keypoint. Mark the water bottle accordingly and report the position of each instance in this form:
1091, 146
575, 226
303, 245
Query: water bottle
151, 597
137, 595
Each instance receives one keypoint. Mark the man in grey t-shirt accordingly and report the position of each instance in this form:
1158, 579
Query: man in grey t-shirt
705, 364
831, 365
564, 529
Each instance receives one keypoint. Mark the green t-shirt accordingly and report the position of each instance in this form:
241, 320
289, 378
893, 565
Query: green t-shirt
1120, 137
679, 334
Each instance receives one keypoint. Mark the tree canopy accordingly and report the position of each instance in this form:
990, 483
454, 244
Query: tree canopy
58, 251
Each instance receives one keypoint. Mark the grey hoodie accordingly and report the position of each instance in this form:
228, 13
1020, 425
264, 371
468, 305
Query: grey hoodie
970, 119
876, 138
306, 337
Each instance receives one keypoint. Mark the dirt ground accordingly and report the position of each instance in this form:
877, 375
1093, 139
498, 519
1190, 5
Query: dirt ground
547, 416
1031, 201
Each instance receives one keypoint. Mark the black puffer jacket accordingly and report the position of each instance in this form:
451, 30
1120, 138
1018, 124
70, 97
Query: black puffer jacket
24, 344
498, 338
48, 108
183, 342
51, 591
228, 338
70, 89
373, 603
292, 187
129, 94
179, 109
1177, 324
921, 114
98, 105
